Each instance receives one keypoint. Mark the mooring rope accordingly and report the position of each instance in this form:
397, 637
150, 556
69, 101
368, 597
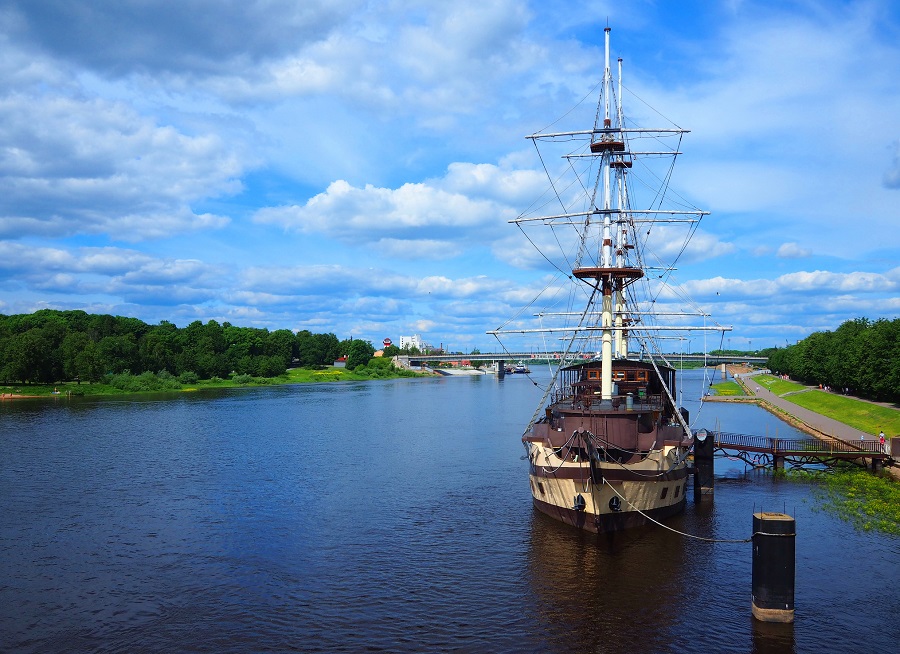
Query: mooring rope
683, 533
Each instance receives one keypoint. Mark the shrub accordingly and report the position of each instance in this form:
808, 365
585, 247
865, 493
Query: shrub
146, 381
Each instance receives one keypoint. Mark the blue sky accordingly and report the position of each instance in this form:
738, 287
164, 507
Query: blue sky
350, 166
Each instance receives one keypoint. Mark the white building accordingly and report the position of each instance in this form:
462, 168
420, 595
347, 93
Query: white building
409, 342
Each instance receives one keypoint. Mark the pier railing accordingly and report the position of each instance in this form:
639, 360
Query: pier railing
798, 446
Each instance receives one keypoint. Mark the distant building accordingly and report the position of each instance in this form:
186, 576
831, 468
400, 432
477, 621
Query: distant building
414, 341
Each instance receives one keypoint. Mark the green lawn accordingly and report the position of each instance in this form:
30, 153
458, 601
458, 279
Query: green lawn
776, 384
728, 388
870, 418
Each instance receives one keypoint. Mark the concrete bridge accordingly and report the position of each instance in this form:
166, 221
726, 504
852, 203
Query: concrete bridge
501, 358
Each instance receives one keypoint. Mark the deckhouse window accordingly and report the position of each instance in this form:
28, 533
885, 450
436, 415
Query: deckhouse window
593, 374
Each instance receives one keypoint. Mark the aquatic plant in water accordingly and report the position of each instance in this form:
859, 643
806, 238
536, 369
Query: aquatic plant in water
871, 502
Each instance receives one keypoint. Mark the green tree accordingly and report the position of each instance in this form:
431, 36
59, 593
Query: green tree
89, 363
328, 349
282, 344
306, 348
269, 366
359, 354
845, 358
73, 344
120, 353
158, 349
882, 344
203, 350
317, 349
27, 357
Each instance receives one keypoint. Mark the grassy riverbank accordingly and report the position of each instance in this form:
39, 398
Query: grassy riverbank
728, 389
859, 414
869, 501
164, 383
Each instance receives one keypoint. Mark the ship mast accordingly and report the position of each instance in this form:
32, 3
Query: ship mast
613, 274
622, 234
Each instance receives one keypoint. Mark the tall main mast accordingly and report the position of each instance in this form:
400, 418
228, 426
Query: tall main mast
613, 273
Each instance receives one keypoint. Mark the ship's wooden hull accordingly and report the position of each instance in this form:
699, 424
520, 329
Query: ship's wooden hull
610, 464
602, 498
608, 521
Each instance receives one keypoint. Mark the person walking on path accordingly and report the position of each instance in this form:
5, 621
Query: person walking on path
881, 439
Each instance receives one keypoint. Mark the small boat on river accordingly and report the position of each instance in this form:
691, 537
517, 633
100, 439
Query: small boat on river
607, 446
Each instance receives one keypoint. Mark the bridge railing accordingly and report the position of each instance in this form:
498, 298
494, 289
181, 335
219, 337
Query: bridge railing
811, 445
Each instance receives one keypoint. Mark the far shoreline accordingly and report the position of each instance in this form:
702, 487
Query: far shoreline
68, 390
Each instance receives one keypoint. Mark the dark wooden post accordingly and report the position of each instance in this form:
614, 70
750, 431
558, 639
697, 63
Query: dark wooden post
704, 447
501, 369
772, 598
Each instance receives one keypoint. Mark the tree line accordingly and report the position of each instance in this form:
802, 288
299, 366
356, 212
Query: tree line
49, 346
861, 356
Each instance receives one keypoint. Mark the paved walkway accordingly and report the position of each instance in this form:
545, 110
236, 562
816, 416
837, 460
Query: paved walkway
817, 421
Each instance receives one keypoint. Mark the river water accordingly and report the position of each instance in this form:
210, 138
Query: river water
387, 516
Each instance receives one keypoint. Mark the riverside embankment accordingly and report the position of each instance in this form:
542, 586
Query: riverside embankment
804, 419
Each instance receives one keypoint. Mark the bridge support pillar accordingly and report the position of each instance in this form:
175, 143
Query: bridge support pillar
778, 462
877, 464
501, 369
704, 448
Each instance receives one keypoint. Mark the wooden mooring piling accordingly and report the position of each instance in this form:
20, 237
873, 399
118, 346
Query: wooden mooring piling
774, 558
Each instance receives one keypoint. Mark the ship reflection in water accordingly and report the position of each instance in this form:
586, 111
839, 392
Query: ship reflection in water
645, 590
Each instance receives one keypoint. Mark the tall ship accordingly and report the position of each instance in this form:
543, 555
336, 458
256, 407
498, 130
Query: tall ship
608, 445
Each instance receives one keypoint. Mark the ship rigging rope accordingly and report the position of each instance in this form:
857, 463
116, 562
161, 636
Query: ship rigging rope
678, 461
568, 447
684, 533
704, 539
563, 358
678, 416
549, 177
564, 208
589, 94
522, 310
535, 246
661, 192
